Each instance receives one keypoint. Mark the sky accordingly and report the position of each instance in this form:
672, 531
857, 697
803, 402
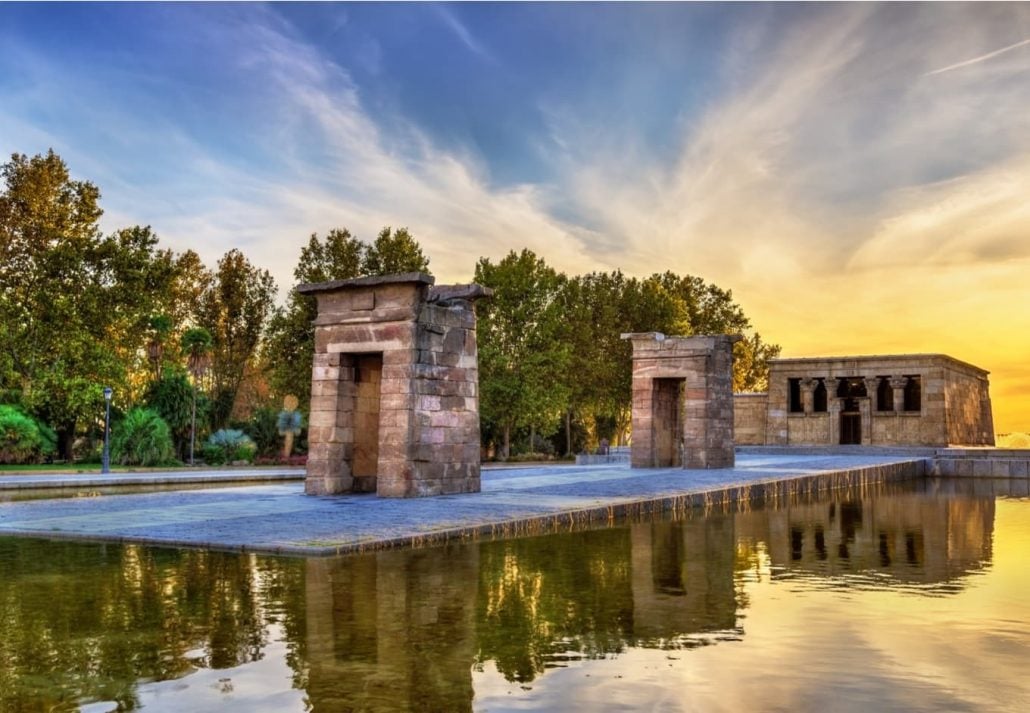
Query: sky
857, 174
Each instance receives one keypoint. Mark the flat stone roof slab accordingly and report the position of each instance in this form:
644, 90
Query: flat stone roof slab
279, 518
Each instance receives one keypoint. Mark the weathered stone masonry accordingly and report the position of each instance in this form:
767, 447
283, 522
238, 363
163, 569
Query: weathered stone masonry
682, 401
394, 387
891, 400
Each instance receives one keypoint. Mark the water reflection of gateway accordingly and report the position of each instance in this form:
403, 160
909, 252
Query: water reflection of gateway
683, 578
391, 631
906, 536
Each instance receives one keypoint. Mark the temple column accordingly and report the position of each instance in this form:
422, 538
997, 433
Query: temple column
865, 407
898, 385
808, 385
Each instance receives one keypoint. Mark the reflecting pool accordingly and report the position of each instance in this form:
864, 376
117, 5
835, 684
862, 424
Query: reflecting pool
884, 599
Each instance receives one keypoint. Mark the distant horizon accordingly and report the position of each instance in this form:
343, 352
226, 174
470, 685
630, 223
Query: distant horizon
856, 174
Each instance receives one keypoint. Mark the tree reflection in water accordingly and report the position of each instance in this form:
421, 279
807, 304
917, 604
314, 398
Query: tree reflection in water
405, 629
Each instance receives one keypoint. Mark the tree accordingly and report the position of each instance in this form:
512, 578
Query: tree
234, 309
290, 343
196, 347
74, 305
751, 363
394, 252
521, 357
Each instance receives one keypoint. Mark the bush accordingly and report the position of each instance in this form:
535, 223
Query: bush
171, 397
263, 430
530, 457
142, 438
22, 438
227, 446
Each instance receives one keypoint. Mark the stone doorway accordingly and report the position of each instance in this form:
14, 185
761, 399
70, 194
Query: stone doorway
368, 378
667, 405
850, 423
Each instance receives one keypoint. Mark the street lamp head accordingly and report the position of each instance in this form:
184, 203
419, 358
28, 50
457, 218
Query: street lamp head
107, 393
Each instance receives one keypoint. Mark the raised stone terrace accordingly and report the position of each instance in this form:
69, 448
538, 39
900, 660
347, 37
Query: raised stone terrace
513, 501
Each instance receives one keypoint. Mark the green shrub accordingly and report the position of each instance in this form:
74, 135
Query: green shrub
227, 446
22, 438
171, 397
142, 438
263, 430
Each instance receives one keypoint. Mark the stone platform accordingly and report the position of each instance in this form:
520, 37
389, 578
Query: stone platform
517, 501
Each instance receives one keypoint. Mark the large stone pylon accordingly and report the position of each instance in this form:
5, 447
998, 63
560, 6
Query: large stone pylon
682, 401
394, 387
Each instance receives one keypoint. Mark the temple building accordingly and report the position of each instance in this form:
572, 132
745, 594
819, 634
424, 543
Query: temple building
898, 400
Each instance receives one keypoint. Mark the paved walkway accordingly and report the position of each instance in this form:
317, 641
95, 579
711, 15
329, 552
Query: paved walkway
280, 518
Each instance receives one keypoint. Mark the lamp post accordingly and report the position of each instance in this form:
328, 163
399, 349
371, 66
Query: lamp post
106, 466
193, 422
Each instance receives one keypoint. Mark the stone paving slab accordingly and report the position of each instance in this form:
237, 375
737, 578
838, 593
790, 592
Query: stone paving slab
279, 518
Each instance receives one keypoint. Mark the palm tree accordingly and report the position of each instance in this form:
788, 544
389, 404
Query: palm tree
196, 347
161, 325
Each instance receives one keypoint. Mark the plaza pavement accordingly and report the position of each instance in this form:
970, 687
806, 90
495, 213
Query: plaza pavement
279, 518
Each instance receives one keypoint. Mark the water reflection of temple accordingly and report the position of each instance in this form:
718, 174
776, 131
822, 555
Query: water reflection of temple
403, 630
391, 631
907, 537
682, 578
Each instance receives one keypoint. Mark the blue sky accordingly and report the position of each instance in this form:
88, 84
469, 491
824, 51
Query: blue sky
833, 164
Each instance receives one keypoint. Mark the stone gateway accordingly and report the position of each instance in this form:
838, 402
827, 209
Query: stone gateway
682, 401
394, 387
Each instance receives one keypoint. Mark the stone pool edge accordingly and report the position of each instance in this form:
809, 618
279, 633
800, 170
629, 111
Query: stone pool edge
739, 494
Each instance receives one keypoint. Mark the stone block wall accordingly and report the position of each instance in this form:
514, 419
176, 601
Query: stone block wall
968, 404
394, 391
954, 401
749, 418
699, 370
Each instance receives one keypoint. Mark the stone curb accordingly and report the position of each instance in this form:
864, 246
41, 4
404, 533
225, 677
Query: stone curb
53, 480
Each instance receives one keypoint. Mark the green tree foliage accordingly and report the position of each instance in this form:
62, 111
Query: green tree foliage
234, 310
598, 308
522, 360
73, 304
22, 438
171, 397
141, 438
751, 363
393, 252
290, 344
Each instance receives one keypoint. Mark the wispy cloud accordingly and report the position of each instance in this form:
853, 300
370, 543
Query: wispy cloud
981, 58
462, 32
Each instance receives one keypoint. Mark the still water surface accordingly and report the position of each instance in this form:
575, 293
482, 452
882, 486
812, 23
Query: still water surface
880, 600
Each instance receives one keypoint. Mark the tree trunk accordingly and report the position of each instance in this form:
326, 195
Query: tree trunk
65, 440
568, 432
532, 439
507, 441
